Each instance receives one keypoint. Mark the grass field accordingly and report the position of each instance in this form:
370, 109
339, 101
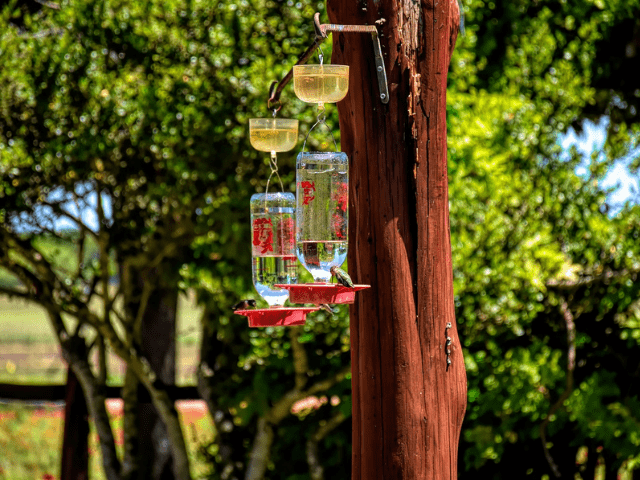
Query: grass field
31, 436
29, 352
31, 439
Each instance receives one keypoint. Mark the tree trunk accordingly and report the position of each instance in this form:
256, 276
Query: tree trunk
408, 402
154, 304
157, 333
75, 442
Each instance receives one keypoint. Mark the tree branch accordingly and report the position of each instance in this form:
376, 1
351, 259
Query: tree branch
571, 363
55, 6
28, 254
31, 282
56, 209
300, 360
102, 361
327, 383
592, 279
130, 425
137, 323
15, 293
103, 246
316, 471
260, 452
94, 395
80, 260
160, 398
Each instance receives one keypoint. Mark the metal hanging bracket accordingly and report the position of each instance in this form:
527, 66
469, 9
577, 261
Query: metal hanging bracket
321, 35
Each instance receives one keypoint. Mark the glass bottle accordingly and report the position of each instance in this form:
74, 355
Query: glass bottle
273, 244
322, 211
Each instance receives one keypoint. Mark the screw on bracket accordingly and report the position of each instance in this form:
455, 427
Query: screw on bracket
448, 344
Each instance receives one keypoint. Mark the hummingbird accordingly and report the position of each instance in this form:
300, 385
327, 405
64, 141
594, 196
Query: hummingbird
329, 308
243, 304
342, 277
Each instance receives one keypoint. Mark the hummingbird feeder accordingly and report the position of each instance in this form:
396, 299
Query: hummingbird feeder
322, 219
273, 231
311, 227
318, 293
322, 193
277, 317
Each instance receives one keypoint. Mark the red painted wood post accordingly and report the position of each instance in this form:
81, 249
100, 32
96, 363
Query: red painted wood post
408, 403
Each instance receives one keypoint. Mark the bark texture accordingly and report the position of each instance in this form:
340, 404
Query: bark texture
75, 440
158, 333
408, 402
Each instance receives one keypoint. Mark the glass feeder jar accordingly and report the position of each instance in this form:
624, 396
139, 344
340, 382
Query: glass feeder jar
322, 210
273, 134
321, 83
273, 245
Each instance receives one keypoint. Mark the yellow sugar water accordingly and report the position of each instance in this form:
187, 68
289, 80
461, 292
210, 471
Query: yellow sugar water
321, 83
274, 140
273, 134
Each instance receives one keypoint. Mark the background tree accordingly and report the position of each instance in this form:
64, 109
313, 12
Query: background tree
139, 111
536, 253
545, 274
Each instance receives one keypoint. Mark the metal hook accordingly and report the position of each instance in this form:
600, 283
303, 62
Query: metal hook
321, 119
273, 164
321, 31
272, 104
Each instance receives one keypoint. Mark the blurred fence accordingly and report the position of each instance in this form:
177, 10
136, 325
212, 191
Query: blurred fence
56, 393
42, 363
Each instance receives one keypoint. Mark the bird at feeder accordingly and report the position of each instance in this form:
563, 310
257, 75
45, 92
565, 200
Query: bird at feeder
328, 308
342, 277
244, 304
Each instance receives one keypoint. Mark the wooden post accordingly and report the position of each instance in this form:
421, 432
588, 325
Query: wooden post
408, 403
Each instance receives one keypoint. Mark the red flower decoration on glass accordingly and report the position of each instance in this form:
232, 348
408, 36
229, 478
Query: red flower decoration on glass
262, 235
337, 225
341, 197
287, 235
308, 192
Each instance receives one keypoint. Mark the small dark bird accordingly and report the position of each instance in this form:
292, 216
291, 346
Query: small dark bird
341, 276
244, 304
329, 308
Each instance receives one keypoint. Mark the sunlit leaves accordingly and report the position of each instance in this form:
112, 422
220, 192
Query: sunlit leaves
521, 218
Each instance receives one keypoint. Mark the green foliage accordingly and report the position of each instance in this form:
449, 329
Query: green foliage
524, 224
147, 103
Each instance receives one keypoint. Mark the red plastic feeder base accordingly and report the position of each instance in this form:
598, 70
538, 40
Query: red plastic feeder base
276, 317
321, 292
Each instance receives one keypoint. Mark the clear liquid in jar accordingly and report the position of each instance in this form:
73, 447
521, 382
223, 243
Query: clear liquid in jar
271, 270
273, 245
319, 257
322, 188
